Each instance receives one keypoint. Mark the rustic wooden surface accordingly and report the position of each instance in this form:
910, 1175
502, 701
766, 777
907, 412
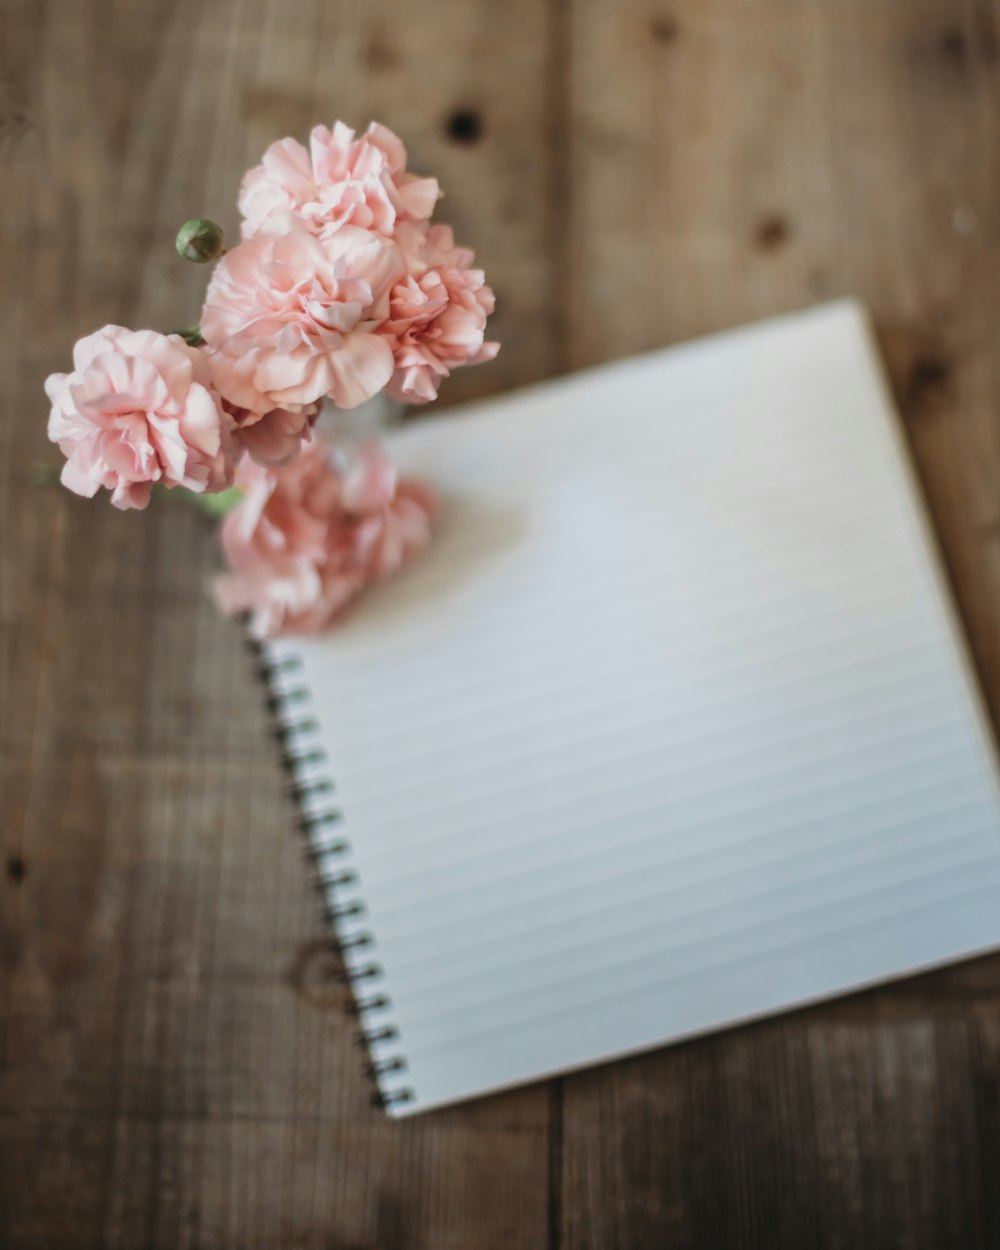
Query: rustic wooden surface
176, 1064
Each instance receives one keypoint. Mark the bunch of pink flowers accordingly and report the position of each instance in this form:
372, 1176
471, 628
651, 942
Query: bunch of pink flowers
341, 287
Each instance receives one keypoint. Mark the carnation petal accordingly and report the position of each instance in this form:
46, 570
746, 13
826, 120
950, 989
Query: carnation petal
487, 352
132, 495
55, 384
201, 422
277, 437
416, 384
360, 370
370, 484
103, 340
287, 161
124, 382
80, 482
418, 196
299, 377
388, 142
171, 449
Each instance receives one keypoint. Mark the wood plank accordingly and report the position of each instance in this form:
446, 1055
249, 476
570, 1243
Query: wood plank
176, 1063
729, 161
798, 1132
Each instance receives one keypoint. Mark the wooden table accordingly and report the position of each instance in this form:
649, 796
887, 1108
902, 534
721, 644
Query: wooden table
176, 1059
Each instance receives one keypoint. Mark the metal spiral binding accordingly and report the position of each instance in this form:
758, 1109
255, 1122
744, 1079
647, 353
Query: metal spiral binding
302, 755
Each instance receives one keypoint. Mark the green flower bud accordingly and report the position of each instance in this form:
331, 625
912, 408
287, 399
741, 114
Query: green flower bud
200, 240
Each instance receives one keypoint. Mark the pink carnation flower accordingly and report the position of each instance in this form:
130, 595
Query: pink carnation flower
138, 408
308, 538
338, 180
437, 313
292, 319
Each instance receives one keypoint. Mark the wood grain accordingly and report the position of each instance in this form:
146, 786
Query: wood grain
775, 154
176, 1058
177, 1065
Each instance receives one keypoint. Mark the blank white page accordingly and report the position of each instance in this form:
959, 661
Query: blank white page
672, 727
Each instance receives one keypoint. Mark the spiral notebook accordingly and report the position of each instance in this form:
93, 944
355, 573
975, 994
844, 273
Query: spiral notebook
672, 728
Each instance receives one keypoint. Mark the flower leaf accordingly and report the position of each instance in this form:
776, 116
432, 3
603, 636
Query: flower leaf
213, 505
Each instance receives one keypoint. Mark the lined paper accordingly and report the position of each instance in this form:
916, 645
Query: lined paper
672, 728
